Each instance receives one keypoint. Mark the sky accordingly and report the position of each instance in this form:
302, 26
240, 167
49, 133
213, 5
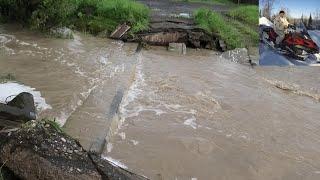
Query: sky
296, 7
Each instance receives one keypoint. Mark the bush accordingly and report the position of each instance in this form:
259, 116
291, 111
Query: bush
52, 13
17, 10
215, 23
92, 15
125, 11
248, 14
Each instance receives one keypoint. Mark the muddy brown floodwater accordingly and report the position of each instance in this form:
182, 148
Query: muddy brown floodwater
197, 116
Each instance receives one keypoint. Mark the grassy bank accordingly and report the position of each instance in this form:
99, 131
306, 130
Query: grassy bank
215, 23
248, 14
88, 15
215, 2
236, 32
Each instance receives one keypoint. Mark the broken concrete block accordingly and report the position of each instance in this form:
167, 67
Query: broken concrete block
120, 31
178, 47
238, 55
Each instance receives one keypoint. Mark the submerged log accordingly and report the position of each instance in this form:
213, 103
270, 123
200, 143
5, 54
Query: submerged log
40, 150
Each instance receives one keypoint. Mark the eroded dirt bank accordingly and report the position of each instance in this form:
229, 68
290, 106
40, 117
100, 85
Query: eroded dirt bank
40, 150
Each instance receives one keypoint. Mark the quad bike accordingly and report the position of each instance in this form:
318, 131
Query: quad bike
297, 45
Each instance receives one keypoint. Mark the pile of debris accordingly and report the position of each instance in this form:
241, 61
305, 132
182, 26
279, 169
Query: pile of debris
163, 31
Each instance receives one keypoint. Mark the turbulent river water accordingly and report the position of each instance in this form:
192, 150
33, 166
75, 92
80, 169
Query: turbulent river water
197, 116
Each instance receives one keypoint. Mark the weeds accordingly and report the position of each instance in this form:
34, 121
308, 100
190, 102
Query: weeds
211, 1
54, 124
215, 23
88, 15
248, 14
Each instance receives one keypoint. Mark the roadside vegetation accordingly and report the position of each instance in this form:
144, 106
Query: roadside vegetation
93, 16
214, 23
211, 1
248, 14
238, 28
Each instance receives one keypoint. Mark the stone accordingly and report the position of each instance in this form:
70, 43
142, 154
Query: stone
63, 32
238, 55
178, 47
21, 108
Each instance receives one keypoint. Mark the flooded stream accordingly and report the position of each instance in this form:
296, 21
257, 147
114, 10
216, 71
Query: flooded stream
197, 116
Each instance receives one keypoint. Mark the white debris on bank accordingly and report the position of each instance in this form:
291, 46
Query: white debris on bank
114, 162
12, 89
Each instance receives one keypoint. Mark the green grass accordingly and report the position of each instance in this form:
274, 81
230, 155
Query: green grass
248, 14
125, 11
215, 2
54, 124
215, 23
87, 15
249, 33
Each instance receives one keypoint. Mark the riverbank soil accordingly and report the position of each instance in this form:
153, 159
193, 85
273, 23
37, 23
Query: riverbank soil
41, 150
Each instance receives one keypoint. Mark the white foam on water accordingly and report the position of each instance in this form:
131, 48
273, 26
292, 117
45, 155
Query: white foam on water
24, 43
191, 122
134, 90
13, 89
103, 60
122, 135
4, 39
62, 119
114, 162
134, 142
109, 147
138, 109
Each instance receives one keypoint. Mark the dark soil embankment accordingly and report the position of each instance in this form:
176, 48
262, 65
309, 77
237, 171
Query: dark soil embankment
40, 150
171, 21
165, 30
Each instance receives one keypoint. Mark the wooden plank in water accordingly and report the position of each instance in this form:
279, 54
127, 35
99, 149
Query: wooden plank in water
120, 31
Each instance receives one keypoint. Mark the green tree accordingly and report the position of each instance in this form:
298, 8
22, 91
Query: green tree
310, 22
